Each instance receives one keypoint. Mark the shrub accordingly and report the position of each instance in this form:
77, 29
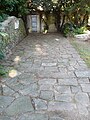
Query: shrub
70, 29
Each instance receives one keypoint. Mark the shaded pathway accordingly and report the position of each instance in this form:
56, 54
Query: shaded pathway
51, 81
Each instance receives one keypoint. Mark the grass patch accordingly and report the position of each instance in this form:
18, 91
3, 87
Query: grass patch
83, 49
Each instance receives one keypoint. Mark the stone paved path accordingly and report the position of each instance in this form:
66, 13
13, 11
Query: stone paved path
51, 81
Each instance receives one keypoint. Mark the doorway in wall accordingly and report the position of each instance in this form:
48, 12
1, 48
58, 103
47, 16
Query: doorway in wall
34, 23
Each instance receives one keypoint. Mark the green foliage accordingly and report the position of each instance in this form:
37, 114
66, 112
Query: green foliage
79, 30
68, 28
72, 11
3, 17
14, 7
2, 71
71, 29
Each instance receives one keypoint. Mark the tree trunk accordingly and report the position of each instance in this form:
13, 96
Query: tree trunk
24, 18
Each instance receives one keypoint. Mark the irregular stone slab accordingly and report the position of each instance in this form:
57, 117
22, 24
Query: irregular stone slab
7, 91
40, 104
82, 109
76, 89
60, 106
27, 81
47, 95
12, 81
19, 106
85, 87
63, 97
47, 81
83, 74
30, 90
62, 89
5, 118
5, 101
27, 76
36, 116
17, 86
49, 64
83, 80
56, 75
82, 98
70, 81
56, 118
52, 69
46, 87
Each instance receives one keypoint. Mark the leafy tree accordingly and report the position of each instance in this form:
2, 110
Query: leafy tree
72, 11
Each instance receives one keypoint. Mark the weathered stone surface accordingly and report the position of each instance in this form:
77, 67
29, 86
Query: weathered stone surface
56, 118
50, 79
62, 89
75, 89
83, 80
30, 90
40, 104
82, 98
82, 109
6, 118
63, 97
47, 95
7, 91
60, 106
52, 69
5, 101
17, 86
49, 64
56, 75
70, 81
19, 106
46, 87
83, 74
27, 81
47, 81
36, 116
85, 87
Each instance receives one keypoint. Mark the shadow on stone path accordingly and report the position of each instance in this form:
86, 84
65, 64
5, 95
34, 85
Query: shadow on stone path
48, 81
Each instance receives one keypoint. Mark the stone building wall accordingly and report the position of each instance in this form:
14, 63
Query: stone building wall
12, 31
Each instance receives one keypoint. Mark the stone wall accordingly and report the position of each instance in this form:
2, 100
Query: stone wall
12, 31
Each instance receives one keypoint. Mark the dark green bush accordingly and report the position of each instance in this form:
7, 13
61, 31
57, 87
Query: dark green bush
70, 29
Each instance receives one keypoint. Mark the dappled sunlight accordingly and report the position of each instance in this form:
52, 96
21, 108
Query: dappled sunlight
39, 50
55, 1
13, 73
17, 59
56, 39
45, 32
38, 45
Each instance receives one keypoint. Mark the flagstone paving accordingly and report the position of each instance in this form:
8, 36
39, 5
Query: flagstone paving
48, 81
